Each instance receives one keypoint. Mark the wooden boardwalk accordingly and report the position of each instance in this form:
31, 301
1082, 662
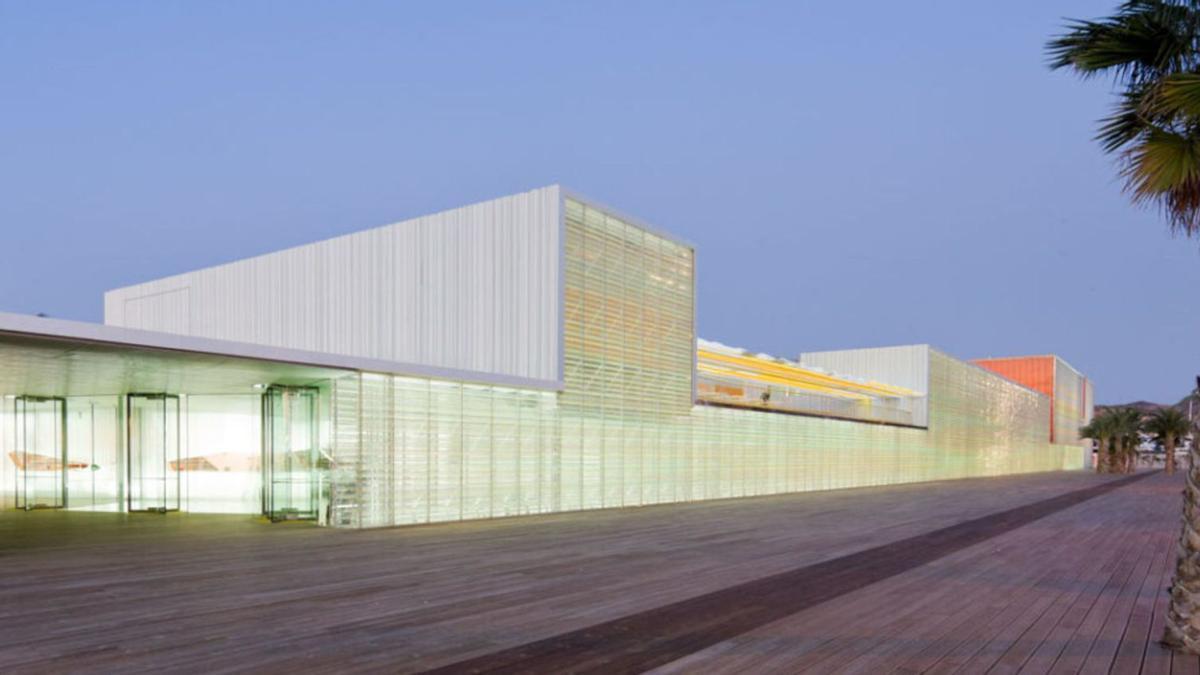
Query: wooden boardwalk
991, 575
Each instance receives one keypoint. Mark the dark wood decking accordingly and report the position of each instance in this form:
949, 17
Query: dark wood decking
1031, 584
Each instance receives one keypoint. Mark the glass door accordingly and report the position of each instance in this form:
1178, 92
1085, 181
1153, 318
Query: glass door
40, 451
291, 476
93, 458
152, 469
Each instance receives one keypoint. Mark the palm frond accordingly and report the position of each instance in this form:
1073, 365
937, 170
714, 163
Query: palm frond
1126, 124
1152, 48
1168, 423
1143, 40
1163, 169
1176, 96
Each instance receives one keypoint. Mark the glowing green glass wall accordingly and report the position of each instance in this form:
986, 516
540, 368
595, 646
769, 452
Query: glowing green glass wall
410, 450
1072, 403
624, 430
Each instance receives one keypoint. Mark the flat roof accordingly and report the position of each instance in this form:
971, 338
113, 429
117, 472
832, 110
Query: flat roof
44, 346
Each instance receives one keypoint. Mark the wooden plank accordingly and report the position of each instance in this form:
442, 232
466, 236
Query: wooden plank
984, 625
1066, 559
1157, 657
108, 593
653, 638
1108, 639
914, 601
965, 624
1184, 664
1132, 649
1038, 639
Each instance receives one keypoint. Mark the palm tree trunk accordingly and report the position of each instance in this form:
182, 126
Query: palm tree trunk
1183, 612
1169, 444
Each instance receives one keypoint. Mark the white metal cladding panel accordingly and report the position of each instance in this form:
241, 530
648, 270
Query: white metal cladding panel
903, 366
474, 288
169, 309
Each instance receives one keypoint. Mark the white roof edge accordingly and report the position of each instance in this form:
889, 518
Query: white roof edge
62, 329
1072, 368
932, 349
871, 349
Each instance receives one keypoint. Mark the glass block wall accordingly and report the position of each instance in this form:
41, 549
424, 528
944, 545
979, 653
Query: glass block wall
624, 431
1072, 403
981, 424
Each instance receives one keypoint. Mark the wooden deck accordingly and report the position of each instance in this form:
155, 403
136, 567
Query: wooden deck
1045, 573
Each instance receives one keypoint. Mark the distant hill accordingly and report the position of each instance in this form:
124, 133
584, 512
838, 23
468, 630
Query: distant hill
1144, 407
1148, 407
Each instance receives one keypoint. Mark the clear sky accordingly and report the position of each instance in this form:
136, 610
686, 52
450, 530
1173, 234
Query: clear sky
853, 174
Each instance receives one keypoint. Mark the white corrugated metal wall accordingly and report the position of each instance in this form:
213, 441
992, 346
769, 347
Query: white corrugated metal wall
474, 288
902, 366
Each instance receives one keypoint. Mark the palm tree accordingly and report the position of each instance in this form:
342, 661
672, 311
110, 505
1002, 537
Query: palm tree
1127, 424
1150, 47
1169, 426
1100, 429
1182, 630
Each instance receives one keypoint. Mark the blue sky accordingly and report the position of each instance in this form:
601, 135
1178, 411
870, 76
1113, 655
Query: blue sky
853, 174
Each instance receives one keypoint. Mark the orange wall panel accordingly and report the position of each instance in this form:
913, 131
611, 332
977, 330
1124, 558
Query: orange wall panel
1035, 372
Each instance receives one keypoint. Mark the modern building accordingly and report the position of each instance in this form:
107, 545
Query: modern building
1070, 393
531, 354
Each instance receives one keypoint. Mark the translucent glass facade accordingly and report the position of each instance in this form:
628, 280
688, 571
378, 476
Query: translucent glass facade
624, 431
1072, 403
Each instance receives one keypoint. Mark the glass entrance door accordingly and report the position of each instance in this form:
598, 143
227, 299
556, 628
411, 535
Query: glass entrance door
291, 476
153, 464
40, 452
93, 456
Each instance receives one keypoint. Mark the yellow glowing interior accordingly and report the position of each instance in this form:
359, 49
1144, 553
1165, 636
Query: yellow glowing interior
763, 370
